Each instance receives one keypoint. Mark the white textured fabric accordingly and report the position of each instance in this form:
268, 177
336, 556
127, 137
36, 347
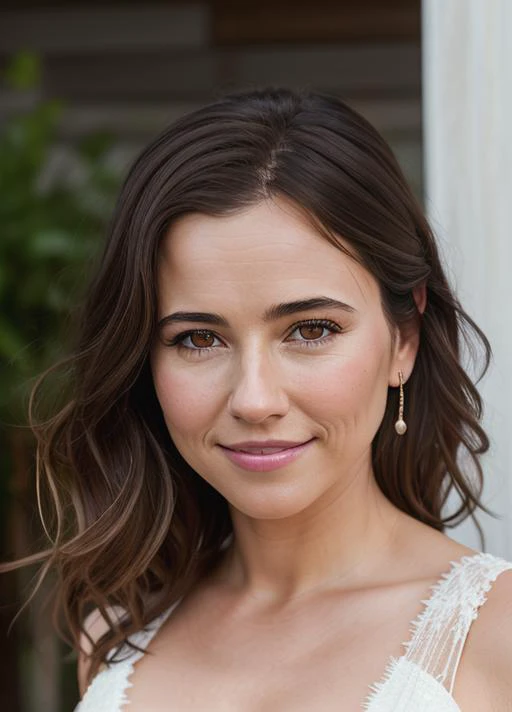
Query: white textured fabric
422, 679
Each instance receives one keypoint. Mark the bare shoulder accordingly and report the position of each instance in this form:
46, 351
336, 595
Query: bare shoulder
489, 643
95, 626
483, 682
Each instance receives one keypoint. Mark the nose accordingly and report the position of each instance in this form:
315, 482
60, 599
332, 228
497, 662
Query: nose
258, 391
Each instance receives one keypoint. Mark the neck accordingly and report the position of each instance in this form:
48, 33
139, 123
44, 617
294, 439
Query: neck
339, 541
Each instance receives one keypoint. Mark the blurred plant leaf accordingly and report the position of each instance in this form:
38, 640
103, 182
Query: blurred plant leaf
94, 147
24, 71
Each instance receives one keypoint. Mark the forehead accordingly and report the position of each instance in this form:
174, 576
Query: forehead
268, 252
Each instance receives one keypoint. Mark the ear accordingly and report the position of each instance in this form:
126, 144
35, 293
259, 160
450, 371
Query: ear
419, 294
407, 341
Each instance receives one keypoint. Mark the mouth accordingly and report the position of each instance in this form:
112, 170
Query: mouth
265, 447
267, 456
262, 450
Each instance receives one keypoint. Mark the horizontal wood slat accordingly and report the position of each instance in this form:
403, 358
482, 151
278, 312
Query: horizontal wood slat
91, 29
315, 21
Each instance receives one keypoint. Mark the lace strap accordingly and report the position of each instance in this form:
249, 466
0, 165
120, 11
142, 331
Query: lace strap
441, 629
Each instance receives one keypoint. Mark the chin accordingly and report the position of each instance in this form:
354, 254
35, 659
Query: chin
273, 504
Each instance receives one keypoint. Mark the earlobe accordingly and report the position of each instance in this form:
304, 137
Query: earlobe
394, 378
406, 349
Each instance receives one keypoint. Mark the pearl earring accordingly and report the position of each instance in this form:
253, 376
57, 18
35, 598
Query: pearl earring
401, 425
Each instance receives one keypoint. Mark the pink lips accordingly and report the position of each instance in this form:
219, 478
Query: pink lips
265, 456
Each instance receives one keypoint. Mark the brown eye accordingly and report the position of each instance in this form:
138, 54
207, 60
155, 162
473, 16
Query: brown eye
314, 332
202, 339
310, 332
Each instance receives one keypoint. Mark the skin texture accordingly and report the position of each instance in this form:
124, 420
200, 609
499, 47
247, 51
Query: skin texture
318, 590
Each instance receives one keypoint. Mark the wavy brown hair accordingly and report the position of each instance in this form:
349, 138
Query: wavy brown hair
135, 526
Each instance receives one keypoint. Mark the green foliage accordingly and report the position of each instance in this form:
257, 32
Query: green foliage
52, 220
55, 199
24, 72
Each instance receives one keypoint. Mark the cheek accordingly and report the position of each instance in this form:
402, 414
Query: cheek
350, 389
187, 401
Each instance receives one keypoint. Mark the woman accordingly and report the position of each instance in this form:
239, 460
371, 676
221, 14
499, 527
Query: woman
267, 414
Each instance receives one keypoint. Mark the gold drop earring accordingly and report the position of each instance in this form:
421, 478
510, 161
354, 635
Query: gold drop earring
401, 425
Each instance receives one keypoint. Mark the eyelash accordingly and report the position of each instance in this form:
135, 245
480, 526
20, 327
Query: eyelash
178, 340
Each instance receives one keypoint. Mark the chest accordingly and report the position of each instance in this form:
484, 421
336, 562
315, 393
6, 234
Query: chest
324, 659
328, 679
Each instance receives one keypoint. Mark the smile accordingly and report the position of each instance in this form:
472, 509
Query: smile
261, 451
265, 459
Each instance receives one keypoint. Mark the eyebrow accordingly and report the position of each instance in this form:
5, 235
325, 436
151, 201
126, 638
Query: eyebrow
273, 313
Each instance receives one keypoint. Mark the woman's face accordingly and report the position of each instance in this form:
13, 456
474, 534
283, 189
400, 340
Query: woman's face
270, 333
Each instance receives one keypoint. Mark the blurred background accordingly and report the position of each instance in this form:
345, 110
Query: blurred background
83, 88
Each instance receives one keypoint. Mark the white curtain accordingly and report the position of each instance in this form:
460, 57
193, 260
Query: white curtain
467, 100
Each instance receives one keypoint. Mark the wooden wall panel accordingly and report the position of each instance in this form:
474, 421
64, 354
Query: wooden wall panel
132, 66
360, 72
230, 22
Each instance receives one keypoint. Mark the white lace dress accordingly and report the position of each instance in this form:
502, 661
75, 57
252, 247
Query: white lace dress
422, 679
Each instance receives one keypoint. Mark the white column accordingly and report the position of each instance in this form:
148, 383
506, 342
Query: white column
467, 95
